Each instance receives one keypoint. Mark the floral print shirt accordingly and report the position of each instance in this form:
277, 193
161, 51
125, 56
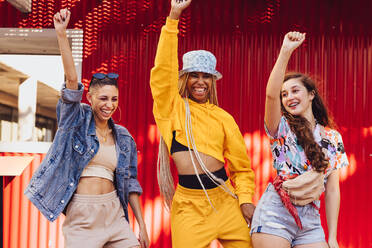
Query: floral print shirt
289, 157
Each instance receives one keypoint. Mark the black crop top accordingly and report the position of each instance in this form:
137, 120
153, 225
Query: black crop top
191, 181
176, 146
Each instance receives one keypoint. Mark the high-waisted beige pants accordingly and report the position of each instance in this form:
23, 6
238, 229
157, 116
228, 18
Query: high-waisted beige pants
97, 221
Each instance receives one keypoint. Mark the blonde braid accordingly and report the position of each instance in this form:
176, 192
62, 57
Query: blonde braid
164, 174
165, 178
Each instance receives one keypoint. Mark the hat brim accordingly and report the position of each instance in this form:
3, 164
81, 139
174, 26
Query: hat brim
214, 73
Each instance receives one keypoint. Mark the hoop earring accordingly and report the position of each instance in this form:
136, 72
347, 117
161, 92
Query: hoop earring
119, 114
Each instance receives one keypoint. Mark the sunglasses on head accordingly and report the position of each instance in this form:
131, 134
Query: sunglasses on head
103, 75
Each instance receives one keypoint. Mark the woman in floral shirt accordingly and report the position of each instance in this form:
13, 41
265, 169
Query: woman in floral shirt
302, 140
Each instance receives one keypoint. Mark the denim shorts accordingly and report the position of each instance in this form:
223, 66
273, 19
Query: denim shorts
272, 217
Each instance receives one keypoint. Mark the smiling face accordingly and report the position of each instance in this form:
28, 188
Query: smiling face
296, 99
199, 85
104, 101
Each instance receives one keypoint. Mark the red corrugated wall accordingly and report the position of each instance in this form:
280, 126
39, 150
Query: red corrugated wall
24, 226
245, 36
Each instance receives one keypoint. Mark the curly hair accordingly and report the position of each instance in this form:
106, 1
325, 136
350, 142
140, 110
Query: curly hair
302, 128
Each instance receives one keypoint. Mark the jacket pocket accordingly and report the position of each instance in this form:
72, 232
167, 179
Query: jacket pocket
78, 145
55, 196
40, 177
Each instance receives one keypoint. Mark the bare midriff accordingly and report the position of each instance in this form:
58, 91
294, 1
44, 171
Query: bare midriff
184, 165
94, 186
97, 185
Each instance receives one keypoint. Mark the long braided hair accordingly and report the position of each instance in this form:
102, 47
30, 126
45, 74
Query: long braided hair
165, 178
301, 126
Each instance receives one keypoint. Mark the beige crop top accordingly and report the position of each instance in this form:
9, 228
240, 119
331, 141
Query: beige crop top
103, 164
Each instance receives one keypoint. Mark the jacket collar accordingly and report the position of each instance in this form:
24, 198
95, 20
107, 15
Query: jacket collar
92, 124
116, 130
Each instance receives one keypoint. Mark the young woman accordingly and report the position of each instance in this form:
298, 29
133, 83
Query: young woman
199, 136
302, 141
91, 167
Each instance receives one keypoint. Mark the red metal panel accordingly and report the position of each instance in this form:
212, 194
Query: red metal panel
23, 225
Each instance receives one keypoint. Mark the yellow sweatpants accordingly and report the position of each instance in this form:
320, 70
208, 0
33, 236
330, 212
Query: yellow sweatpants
195, 224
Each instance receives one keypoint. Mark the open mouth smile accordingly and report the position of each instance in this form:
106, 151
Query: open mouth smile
200, 91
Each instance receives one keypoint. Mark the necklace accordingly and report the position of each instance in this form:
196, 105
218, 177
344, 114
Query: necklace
103, 136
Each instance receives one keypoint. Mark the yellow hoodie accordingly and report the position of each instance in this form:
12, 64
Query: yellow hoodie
214, 130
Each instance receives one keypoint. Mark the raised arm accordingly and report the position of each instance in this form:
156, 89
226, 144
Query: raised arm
177, 6
164, 74
61, 20
291, 41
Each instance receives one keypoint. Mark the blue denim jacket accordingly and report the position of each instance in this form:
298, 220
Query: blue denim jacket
74, 145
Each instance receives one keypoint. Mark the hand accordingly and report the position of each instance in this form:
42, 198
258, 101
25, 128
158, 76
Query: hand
177, 6
292, 40
332, 243
247, 211
143, 237
61, 20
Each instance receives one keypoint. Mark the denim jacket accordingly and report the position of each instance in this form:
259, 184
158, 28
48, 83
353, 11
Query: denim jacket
75, 144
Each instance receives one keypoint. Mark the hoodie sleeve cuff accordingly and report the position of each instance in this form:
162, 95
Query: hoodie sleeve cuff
171, 25
244, 198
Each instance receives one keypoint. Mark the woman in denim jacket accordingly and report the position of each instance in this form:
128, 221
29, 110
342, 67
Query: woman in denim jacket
90, 171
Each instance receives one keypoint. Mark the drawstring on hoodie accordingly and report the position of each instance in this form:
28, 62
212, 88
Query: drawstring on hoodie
191, 143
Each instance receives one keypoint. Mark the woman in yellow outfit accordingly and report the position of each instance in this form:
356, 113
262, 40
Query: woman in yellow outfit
199, 135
